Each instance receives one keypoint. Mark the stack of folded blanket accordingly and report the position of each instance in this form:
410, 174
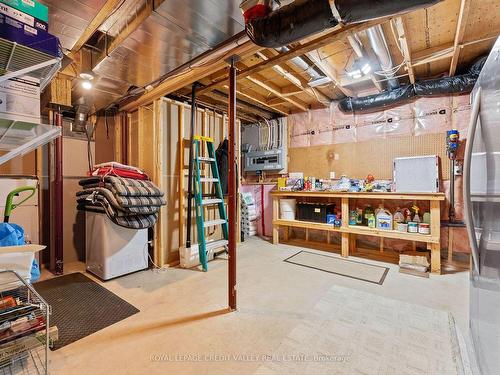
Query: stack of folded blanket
129, 202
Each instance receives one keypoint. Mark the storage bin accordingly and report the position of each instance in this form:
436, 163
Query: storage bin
316, 212
288, 208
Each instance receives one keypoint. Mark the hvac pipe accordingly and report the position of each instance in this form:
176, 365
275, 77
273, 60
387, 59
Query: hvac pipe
232, 187
379, 45
303, 18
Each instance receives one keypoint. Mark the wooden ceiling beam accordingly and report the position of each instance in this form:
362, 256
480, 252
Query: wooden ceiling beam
130, 27
294, 78
328, 71
189, 74
276, 90
459, 34
337, 34
256, 98
444, 51
247, 109
399, 25
92, 27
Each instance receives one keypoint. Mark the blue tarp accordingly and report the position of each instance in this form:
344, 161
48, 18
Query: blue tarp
13, 235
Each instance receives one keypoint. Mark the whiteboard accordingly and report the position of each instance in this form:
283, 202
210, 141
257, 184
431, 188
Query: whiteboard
418, 174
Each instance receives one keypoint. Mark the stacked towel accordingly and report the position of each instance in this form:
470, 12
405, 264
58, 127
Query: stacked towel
130, 203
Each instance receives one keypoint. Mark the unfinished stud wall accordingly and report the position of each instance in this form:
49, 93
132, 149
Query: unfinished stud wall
158, 143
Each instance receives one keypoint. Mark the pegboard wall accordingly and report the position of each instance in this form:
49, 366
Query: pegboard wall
358, 159
367, 143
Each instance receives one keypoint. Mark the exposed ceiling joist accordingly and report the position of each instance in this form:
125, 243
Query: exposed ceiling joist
302, 49
186, 75
98, 20
403, 43
296, 79
276, 90
329, 71
358, 50
254, 97
459, 34
247, 110
130, 27
441, 52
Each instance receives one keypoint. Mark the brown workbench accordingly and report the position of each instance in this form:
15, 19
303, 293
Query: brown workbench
349, 232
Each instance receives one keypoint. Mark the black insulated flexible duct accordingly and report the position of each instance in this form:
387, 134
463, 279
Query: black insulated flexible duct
354, 11
303, 18
291, 23
434, 87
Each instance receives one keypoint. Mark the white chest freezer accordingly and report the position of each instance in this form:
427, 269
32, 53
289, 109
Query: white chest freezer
111, 250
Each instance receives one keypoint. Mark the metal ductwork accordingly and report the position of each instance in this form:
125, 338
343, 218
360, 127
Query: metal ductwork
461, 84
379, 45
291, 23
316, 78
303, 18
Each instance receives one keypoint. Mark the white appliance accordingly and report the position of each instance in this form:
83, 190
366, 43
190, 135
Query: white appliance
111, 250
482, 213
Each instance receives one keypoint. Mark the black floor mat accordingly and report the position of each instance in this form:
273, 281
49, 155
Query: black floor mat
81, 307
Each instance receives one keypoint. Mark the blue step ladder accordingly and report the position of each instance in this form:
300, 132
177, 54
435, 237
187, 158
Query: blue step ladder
208, 248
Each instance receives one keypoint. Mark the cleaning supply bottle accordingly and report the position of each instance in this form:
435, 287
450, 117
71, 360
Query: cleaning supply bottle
427, 218
398, 217
416, 218
367, 211
371, 221
384, 218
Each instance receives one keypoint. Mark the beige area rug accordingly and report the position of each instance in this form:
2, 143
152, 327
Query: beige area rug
352, 332
339, 266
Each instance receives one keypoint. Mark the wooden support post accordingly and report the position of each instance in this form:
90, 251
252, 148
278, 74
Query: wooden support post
435, 232
345, 224
352, 244
345, 244
451, 233
232, 186
276, 213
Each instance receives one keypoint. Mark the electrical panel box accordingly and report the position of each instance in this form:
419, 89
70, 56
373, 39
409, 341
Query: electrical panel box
264, 146
264, 160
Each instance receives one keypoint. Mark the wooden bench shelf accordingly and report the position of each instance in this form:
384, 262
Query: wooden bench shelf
349, 232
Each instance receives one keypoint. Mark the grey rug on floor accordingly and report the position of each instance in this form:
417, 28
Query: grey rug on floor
80, 306
339, 266
349, 332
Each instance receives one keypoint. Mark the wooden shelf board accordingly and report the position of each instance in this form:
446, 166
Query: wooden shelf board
390, 234
358, 230
361, 195
306, 224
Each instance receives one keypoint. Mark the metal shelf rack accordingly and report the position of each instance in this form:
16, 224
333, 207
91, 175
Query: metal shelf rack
24, 353
18, 60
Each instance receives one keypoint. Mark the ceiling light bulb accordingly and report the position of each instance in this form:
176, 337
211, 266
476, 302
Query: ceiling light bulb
366, 68
87, 85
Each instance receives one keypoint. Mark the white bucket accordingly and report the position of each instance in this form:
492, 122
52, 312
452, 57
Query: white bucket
287, 208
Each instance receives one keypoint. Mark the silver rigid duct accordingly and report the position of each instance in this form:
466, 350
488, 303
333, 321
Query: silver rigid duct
379, 45
303, 65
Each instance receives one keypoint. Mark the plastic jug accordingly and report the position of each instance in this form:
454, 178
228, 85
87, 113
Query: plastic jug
384, 219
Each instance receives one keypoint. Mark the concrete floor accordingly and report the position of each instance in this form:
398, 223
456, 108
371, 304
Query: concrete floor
184, 327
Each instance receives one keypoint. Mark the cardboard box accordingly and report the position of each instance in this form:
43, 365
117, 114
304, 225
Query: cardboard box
28, 36
25, 18
20, 99
31, 7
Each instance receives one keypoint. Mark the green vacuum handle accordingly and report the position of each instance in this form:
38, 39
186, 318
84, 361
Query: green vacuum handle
10, 206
